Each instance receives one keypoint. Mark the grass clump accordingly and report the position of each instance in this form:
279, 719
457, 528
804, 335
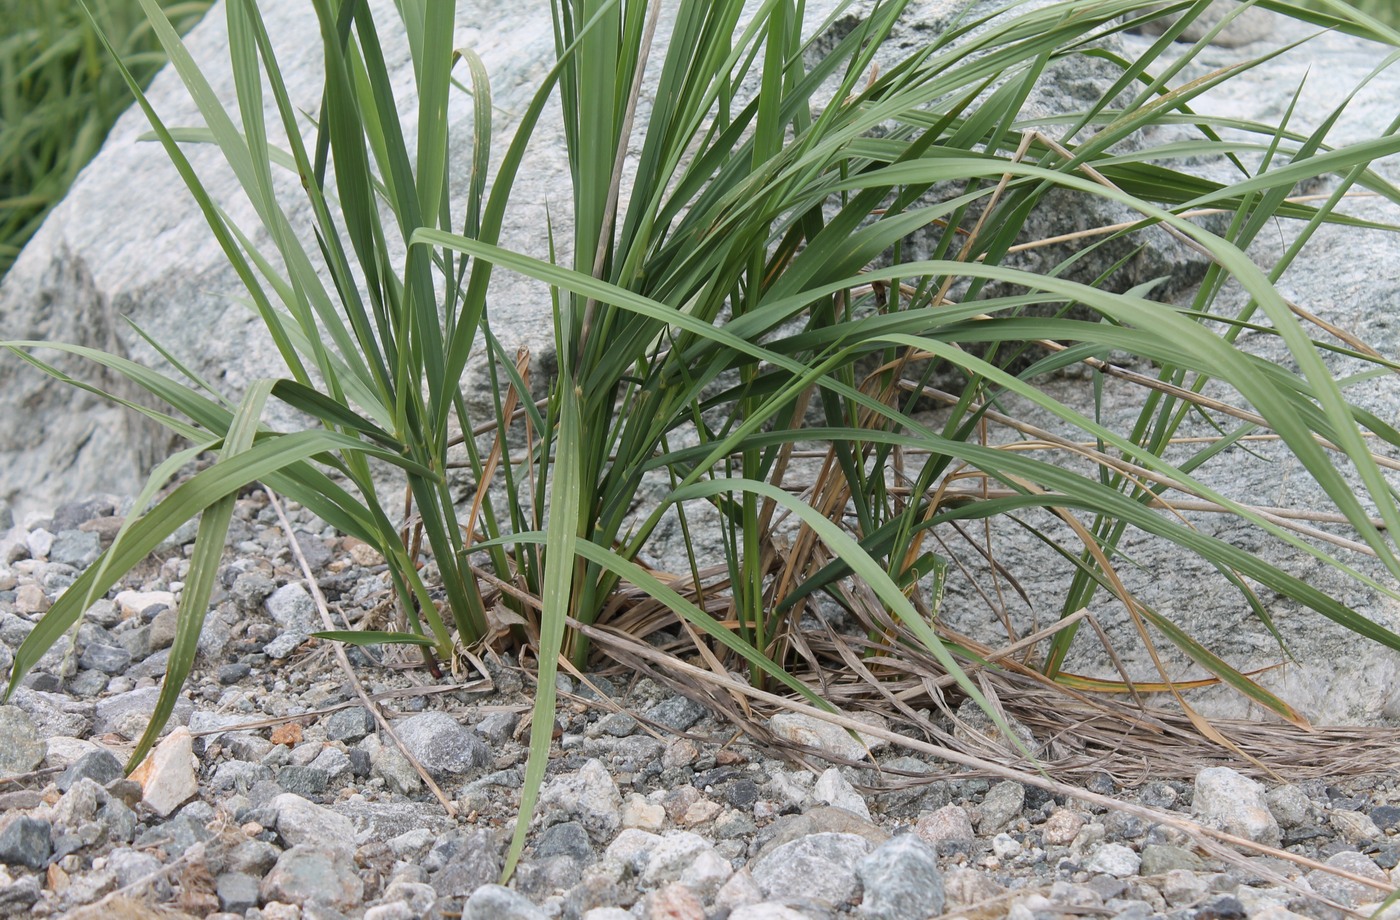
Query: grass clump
742, 301
60, 92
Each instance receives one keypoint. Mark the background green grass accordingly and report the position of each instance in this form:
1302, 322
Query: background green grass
59, 96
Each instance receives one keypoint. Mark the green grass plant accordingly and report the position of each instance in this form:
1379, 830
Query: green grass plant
744, 296
60, 92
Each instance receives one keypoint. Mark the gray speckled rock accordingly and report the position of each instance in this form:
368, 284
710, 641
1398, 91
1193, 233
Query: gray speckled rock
293, 609
349, 725
442, 745
1114, 859
1001, 806
21, 747
302, 822
133, 708
667, 858
901, 881
307, 873
495, 902
1345, 891
1236, 804
591, 795
819, 867
677, 713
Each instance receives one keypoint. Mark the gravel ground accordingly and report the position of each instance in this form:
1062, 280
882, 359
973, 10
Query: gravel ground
278, 795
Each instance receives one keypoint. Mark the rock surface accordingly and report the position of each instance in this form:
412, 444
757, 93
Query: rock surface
728, 829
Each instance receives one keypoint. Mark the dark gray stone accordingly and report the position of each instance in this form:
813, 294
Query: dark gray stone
26, 841
566, 839
229, 674
677, 713
100, 766
70, 515
19, 896
359, 762
109, 659
76, 548
304, 781
349, 725
901, 881
176, 835
497, 727
1386, 817
237, 892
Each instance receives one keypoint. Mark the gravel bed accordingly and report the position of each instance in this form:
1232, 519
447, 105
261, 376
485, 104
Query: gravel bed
277, 795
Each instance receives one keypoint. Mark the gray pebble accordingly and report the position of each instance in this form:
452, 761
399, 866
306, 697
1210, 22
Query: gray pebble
130, 865
566, 839
89, 683
75, 548
1001, 806
497, 727
304, 781
108, 659
308, 874
26, 841
496, 902
19, 896
442, 745
251, 589
1289, 804
21, 746
1233, 803
819, 867
317, 554
901, 881
229, 674
237, 892
100, 766
293, 609
677, 713
462, 862
349, 725
114, 711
